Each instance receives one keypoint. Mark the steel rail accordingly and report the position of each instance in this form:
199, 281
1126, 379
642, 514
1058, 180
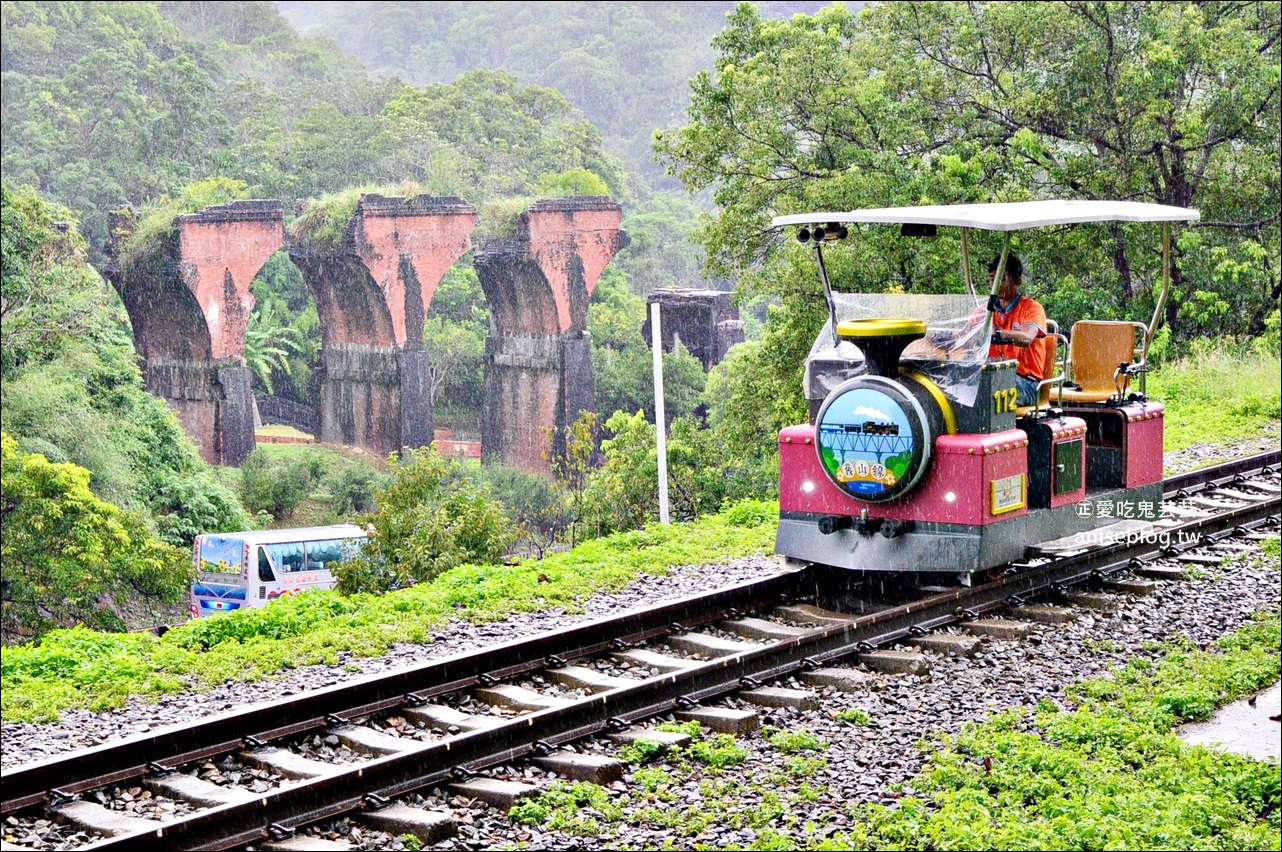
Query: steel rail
374, 782
1221, 474
34, 783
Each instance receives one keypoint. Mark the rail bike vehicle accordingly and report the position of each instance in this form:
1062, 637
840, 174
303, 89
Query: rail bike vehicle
916, 457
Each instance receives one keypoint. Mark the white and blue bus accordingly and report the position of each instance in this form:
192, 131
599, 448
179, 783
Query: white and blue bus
248, 569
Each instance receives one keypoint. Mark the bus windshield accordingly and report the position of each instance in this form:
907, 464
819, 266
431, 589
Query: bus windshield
220, 555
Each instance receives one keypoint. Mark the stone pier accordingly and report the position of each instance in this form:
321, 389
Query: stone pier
706, 322
188, 300
538, 358
372, 292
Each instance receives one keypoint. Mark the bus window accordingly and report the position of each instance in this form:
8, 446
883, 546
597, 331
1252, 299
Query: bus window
288, 557
265, 572
322, 554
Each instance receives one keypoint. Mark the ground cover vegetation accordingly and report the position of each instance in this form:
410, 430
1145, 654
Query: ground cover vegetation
82, 668
1106, 773
1219, 391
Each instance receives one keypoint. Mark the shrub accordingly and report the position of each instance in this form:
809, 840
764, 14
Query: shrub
430, 518
499, 220
750, 513
538, 504
65, 552
145, 241
275, 485
352, 489
322, 224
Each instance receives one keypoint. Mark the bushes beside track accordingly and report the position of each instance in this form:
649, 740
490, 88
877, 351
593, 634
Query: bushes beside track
1218, 392
99, 671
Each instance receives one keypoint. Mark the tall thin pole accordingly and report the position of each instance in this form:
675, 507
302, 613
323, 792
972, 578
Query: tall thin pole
660, 431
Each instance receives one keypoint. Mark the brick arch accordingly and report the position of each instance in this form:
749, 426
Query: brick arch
373, 292
189, 304
538, 358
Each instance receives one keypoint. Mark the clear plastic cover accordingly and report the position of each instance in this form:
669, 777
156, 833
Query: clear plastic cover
952, 353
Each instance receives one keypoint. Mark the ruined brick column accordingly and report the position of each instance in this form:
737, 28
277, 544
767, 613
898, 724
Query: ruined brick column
706, 322
372, 292
538, 358
188, 300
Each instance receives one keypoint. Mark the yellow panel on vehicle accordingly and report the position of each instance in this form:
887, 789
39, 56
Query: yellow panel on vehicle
881, 327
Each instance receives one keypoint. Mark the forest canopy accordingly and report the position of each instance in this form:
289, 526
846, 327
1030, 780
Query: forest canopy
921, 103
115, 104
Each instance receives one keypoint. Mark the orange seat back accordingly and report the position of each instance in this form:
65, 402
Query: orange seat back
1096, 348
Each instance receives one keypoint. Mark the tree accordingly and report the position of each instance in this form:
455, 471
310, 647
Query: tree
270, 344
456, 353
430, 518
623, 363
507, 136
914, 103
703, 475
624, 64
293, 326
101, 109
571, 469
39, 305
72, 390
454, 339
1175, 103
623, 493
661, 254
66, 552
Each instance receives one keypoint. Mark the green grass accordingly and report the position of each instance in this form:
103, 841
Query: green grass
323, 221
1219, 393
98, 671
280, 430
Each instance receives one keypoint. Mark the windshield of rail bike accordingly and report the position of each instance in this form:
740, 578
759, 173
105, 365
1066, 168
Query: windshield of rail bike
951, 354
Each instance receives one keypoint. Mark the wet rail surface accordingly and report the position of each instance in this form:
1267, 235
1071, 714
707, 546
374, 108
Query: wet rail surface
1205, 506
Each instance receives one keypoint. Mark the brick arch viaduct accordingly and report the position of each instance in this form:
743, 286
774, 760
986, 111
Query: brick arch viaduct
190, 308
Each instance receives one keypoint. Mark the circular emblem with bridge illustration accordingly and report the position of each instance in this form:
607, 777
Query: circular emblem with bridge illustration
869, 436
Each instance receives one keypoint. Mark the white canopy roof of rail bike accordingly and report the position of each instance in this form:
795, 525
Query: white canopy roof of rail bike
1003, 216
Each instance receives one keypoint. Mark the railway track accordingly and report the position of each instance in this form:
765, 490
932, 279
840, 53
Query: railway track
1229, 500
